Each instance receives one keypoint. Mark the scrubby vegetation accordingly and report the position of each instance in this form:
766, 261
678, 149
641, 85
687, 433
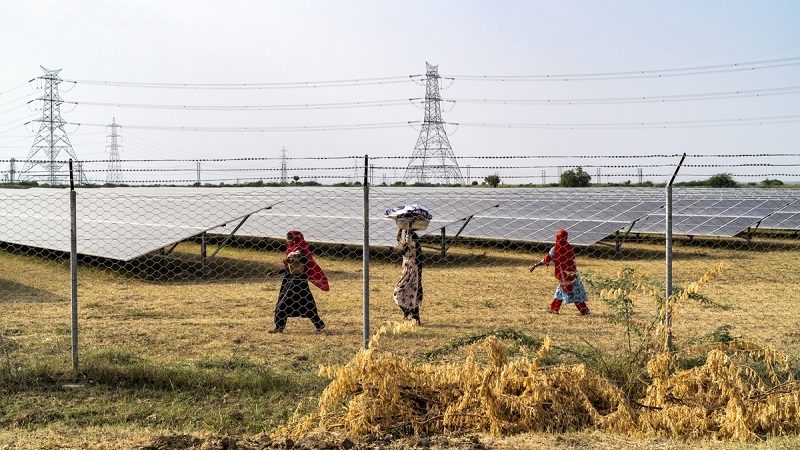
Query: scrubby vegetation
735, 391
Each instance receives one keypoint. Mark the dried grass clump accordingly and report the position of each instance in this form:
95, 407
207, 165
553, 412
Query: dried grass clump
726, 398
379, 392
742, 392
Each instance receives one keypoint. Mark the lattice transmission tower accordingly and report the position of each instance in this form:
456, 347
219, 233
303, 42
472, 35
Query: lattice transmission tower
114, 174
433, 160
51, 139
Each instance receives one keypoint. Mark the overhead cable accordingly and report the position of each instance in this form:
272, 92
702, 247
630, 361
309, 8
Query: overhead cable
274, 85
657, 73
637, 99
365, 126
340, 105
623, 125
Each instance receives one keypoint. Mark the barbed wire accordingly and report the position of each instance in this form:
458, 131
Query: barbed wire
357, 179
360, 158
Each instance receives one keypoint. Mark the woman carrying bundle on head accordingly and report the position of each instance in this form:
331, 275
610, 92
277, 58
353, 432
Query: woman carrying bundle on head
570, 288
408, 291
295, 298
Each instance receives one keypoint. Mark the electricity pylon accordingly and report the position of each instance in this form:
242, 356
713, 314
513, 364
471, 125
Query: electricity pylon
51, 138
433, 160
114, 174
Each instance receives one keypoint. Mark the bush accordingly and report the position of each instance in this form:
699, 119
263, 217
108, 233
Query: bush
575, 178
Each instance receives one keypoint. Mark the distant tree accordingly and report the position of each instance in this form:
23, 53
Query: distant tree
721, 180
474, 182
575, 178
493, 180
771, 183
296, 179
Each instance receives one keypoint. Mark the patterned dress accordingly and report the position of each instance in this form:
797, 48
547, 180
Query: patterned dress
408, 291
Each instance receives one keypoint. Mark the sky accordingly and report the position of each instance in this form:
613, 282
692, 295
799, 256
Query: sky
528, 88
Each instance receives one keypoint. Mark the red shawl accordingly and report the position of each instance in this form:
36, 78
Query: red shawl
564, 259
315, 274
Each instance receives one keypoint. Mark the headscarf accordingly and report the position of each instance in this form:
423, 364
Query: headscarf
564, 259
315, 274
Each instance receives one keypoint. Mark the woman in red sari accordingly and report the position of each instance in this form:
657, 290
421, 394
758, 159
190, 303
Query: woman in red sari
295, 298
570, 288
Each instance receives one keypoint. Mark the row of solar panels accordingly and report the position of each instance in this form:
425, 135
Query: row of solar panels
124, 223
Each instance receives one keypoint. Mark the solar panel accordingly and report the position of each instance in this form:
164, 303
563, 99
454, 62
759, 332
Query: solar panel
124, 223
119, 224
335, 215
716, 212
537, 214
786, 218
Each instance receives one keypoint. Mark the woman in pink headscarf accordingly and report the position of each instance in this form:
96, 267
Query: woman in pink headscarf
295, 298
570, 288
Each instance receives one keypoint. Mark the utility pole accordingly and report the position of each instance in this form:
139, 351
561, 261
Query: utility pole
283, 167
12, 167
51, 138
114, 174
433, 160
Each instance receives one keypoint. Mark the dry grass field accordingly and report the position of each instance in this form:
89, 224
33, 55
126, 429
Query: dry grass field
211, 328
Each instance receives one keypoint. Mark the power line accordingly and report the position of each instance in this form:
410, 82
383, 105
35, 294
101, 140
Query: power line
339, 105
632, 125
273, 85
638, 99
261, 129
657, 73
765, 120
16, 87
397, 102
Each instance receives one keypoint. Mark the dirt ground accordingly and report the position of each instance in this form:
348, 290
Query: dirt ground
457, 441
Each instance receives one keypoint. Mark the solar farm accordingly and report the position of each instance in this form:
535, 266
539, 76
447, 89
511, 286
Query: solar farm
178, 278
174, 235
126, 223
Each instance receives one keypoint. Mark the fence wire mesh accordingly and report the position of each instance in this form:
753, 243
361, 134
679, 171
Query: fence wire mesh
187, 273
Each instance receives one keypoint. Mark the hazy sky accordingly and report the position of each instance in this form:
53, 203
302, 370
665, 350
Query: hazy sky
278, 44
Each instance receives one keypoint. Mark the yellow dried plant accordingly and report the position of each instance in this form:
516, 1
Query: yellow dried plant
379, 392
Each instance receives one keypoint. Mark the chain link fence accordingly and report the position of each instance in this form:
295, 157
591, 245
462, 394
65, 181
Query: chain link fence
184, 273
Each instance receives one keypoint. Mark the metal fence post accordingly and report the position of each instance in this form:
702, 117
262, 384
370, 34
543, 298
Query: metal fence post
668, 231
365, 254
73, 265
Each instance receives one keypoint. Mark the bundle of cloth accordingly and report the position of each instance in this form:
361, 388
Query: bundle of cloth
410, 217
